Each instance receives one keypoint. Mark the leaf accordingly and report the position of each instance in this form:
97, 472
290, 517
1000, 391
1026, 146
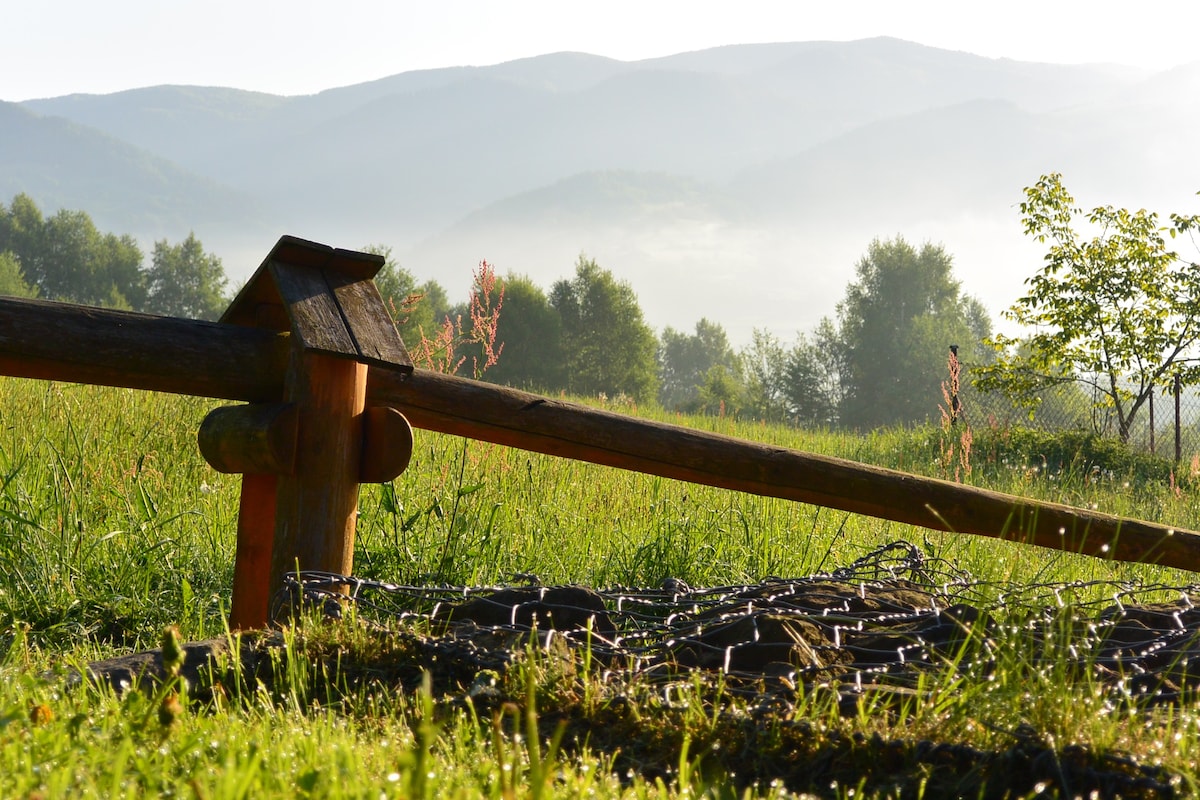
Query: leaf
188, 596
389, 501
146, 504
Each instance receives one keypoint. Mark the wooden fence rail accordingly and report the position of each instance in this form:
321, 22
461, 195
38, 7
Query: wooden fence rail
55, 341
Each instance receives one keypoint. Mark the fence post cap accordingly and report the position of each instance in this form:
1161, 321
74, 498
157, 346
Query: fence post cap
326, 298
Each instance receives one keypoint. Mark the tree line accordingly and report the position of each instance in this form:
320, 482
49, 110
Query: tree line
1115, 318
65, 257
1110, 320
880, 361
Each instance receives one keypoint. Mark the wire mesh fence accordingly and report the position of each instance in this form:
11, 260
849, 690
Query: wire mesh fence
1167, 424
873, 627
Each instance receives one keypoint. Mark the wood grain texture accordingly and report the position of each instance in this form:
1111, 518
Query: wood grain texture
370, 325
250, 604
519, 419
315, 316
79, 344
317, 506
256, 439
261, 291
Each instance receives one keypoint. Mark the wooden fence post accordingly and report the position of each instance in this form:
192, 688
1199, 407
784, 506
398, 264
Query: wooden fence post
303, 460
316, 506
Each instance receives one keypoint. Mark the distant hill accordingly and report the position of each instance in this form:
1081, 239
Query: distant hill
739, 183
124, 188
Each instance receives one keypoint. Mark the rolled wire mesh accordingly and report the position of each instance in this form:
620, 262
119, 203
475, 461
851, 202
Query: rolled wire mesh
876, 624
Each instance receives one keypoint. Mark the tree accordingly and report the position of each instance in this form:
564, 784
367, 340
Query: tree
67, 258
79, 264
764, 363
21, 227
184, 281
12, 280
418, 310
607, 346
721, 391
894, 327
532, 335
812, 386
1118, 313
686, 360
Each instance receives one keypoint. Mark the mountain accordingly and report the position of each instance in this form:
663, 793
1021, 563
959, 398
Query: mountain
124, 188
740, 183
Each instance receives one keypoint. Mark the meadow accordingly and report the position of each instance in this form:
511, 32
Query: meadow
113, 528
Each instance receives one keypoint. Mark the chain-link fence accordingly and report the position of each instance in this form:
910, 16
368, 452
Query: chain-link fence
1168, 424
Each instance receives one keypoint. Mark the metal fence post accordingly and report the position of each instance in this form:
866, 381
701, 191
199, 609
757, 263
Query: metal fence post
1178, 387
1152, 420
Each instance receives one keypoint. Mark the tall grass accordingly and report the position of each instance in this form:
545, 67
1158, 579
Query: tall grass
112, 526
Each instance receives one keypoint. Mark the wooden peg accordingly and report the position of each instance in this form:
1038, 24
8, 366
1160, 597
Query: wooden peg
387, 445
258, 439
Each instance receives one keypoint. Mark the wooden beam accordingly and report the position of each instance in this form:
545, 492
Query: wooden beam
519, 419
255, 439
79, 344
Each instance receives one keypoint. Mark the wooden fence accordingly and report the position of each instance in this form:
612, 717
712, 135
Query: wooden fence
309, 346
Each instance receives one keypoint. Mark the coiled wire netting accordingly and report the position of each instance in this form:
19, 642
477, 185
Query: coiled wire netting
875, 625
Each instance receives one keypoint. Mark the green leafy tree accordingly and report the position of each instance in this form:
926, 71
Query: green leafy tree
607, 346
68, 259
764, 364
419, 310
184, 281
812, 386
1117, 313
894, 327
532, 335
12, 279
79, 264
721, 391
21, 226
686, 360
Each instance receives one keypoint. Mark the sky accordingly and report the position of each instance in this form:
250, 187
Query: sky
55, 47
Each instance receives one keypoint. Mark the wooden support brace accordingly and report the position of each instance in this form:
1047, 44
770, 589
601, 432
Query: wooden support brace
257, 439
251, 601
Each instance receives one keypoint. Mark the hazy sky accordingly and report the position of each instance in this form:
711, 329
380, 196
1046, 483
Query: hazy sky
55, 47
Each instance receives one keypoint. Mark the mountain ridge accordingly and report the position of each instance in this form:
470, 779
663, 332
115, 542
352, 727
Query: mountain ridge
688, 170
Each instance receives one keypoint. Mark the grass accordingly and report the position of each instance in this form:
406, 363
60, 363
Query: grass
112, 527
